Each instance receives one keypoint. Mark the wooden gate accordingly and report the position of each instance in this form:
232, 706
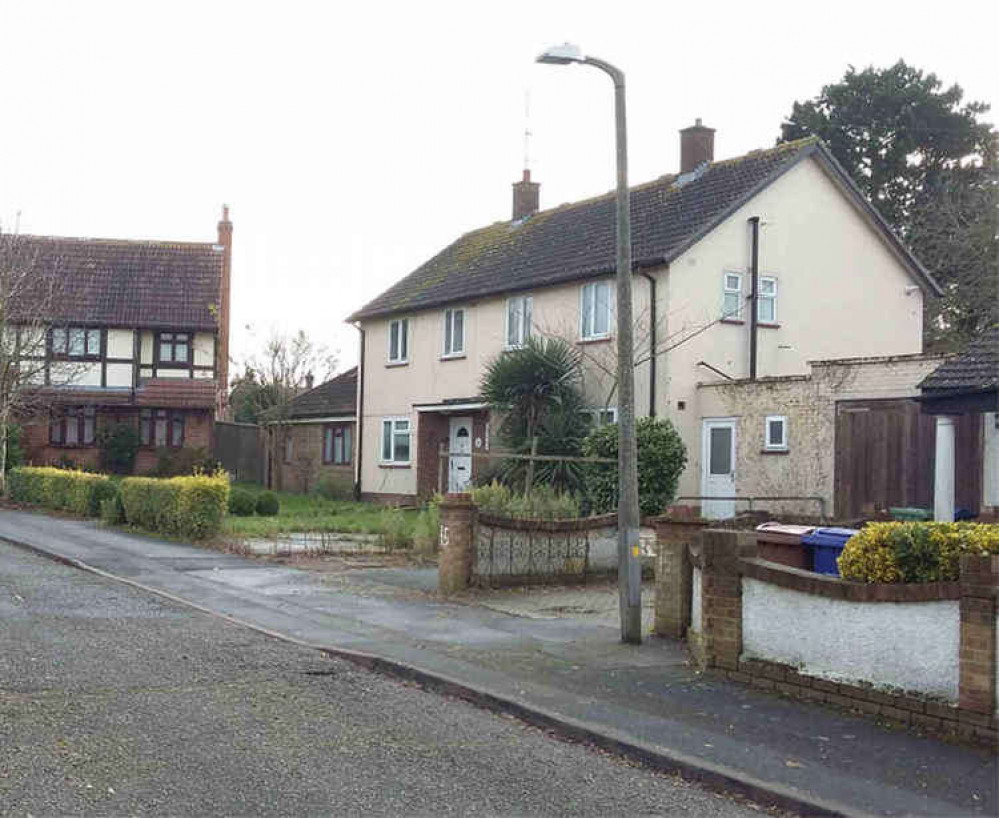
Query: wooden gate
885, 454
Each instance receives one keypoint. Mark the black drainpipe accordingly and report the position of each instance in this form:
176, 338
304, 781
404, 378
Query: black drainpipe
754, 268
358, 435
652, 344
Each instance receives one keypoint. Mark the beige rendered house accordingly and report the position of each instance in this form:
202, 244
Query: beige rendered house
832, 282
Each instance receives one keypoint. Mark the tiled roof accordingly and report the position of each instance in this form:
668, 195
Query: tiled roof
578, 241
176, 393
126, 283
334, 397
974, 370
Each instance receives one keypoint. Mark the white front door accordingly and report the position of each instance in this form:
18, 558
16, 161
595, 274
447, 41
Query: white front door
718, 468
460, 462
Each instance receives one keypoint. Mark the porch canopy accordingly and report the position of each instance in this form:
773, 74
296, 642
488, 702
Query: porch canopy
965, 384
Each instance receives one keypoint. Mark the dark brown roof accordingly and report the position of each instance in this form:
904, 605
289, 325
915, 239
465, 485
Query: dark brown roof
127, 283
578, 241
334, 397
974, 370
176, 393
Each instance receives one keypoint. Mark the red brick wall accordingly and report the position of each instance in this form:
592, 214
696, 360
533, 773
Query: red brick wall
432, 430
307, 469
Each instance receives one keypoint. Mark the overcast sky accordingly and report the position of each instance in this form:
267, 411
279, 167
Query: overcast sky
353, 141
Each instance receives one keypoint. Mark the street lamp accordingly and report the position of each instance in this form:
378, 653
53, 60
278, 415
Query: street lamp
629, 569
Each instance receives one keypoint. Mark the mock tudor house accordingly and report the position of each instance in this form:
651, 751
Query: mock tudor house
315, 442
744, 269
137, 332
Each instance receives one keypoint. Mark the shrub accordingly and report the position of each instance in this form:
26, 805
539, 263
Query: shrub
661, 458
543, 503
914, 552
242, 503
63, 489
15, 454
112, 511
426, 529
335, 487
119, 446
191, 507
268, 504
393, 530
181, 462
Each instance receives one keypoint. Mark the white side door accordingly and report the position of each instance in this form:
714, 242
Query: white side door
460, 461
718, 467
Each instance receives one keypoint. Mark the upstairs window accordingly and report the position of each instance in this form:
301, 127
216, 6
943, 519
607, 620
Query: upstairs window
518, 320
336, 444
454, 333
766, 301
76, 342
174, 348
161, 427
732, 297
73, 426
601, 416
595, 310
398, 351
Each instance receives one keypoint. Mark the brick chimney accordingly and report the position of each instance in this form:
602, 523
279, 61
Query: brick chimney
525, 197
222, 375
697, 145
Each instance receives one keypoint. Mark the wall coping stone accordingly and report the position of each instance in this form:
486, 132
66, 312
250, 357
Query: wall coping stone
551, 526
808, 582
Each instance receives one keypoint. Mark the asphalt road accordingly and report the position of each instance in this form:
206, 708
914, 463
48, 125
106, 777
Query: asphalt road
117, 702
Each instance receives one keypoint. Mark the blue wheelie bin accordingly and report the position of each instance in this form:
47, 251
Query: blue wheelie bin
826, 545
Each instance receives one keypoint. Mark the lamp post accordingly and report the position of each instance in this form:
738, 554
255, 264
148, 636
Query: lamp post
629, 569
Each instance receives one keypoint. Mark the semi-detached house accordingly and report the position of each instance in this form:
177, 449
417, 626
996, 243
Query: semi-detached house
832, 281
135, 332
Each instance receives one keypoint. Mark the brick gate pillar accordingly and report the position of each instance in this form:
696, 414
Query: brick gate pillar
721, 599
673, 574
457, 544
979, 586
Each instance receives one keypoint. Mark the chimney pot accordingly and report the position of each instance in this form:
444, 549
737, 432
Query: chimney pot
697, 145
526, 197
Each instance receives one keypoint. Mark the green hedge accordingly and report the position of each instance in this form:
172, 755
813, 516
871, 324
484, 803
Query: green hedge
191, 507
62, 489
914, 552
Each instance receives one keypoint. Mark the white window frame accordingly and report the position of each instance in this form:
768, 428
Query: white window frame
447, 333
392, 423
402, 352
768, 444
727, 315
592, 335
760, 297
526, 313
595, 414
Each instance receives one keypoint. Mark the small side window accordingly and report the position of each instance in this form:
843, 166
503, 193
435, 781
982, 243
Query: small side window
775, 433
732, 297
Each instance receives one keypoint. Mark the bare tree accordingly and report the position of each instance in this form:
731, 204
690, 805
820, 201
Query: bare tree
30, 286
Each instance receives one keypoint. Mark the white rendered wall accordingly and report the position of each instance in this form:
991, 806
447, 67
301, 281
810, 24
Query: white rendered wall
119, 375
907, 645
121, 343
204, 349
695, 601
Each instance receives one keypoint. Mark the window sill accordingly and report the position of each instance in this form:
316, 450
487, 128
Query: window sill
767, 325
775, 451
603, 339
393, 364
458, 357
331, 465
72, 445
394, 465
736, 321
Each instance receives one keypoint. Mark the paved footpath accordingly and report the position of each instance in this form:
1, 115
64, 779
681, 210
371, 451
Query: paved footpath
573, 676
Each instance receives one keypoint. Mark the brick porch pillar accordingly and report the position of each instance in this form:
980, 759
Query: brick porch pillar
721, 599
673, 574
457, 546
979, 587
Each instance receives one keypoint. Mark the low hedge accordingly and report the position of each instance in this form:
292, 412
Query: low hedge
914, 552
62, 489
191, 507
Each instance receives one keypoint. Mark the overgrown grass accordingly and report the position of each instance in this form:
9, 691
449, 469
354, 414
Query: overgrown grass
310, 512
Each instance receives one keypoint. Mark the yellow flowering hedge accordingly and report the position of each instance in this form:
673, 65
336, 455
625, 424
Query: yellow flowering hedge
914, 552
192, 507
62, 489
